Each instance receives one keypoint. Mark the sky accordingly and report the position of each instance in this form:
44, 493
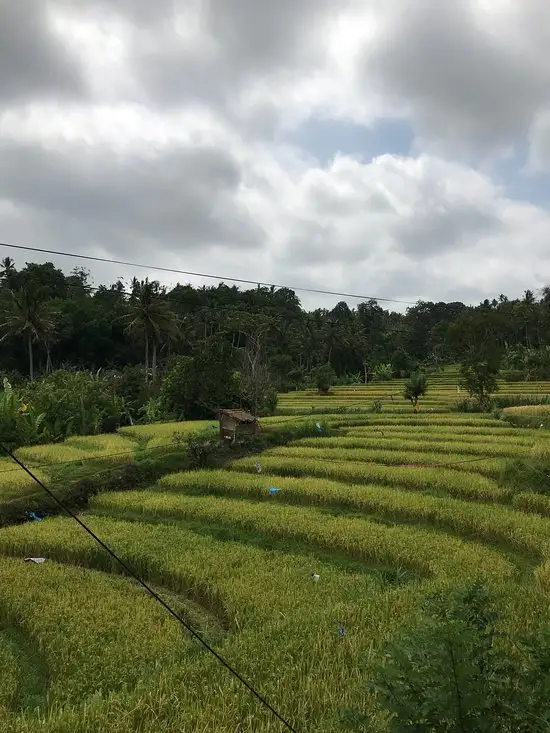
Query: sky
388, 148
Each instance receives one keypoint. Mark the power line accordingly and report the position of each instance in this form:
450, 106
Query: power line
201, 274
148, 588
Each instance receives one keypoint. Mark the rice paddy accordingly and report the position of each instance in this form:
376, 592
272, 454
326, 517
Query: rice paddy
269, 559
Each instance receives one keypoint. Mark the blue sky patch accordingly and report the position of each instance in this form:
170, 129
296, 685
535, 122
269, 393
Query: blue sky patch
325, 138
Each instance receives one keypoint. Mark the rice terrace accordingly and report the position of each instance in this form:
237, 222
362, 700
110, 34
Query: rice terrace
298, 564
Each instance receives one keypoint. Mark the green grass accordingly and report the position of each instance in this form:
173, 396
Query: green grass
431, 480
371, 509
536, 416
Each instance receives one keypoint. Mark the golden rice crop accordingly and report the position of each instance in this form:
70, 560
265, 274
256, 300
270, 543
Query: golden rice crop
409, 547
81, 643
268, 595
455, 483
483, 522
494, 434
222, 547
15, 483
164, 432
456, 447
10, 671
97, 447
528, 415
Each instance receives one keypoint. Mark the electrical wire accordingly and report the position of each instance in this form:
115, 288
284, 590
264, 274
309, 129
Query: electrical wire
201, 274
148, 588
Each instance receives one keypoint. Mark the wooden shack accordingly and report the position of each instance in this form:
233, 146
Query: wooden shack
235, 422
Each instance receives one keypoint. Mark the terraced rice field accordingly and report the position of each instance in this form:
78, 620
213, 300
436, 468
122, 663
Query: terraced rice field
387, 508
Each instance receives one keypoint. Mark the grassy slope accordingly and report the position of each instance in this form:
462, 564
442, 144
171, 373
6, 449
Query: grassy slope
238, 561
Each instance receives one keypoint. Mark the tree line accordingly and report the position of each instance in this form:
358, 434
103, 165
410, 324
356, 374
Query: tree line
50, 320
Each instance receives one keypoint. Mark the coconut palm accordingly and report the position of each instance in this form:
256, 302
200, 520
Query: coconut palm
150, 318
30, 317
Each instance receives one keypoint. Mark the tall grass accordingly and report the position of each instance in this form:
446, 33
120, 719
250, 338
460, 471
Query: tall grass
463, 484
237, 560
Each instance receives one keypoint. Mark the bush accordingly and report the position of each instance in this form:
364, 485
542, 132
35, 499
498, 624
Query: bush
201, 448
132, 387
74, 403
20, 423
383, 373
323, 377
480, 379
455, 671
195, 387
512, 375
525, 364
415, 388
470, 404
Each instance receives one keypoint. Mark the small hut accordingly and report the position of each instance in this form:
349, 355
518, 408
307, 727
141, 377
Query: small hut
235, 422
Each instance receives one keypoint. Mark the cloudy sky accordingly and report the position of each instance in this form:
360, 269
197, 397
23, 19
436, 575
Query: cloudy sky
393, 148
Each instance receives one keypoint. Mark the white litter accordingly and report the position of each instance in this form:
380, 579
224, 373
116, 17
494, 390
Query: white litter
37, 560
315, 577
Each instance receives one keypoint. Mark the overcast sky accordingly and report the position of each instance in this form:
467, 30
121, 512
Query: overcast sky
393, 148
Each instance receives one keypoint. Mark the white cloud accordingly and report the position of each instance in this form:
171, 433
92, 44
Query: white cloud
156, 132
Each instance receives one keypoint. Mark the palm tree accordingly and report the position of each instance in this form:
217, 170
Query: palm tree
150, 318
30, 317
8, 271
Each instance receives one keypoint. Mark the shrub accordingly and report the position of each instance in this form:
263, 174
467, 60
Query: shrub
454, 671
470, 404
74, 403
20, 422
201, 448
512, 375
415, 388
480, 379
195, 387
383, 373
323, 377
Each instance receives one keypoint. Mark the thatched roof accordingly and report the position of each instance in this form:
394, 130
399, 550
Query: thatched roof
239, 415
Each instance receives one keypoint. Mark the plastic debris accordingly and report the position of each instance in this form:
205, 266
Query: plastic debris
37, 560
341, 631
542, 425
34, 517
315, 577
273, 490
258, 467
319, 427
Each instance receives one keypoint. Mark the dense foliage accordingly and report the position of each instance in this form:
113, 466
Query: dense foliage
88, 359
415, 388
49, 319
456, 671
